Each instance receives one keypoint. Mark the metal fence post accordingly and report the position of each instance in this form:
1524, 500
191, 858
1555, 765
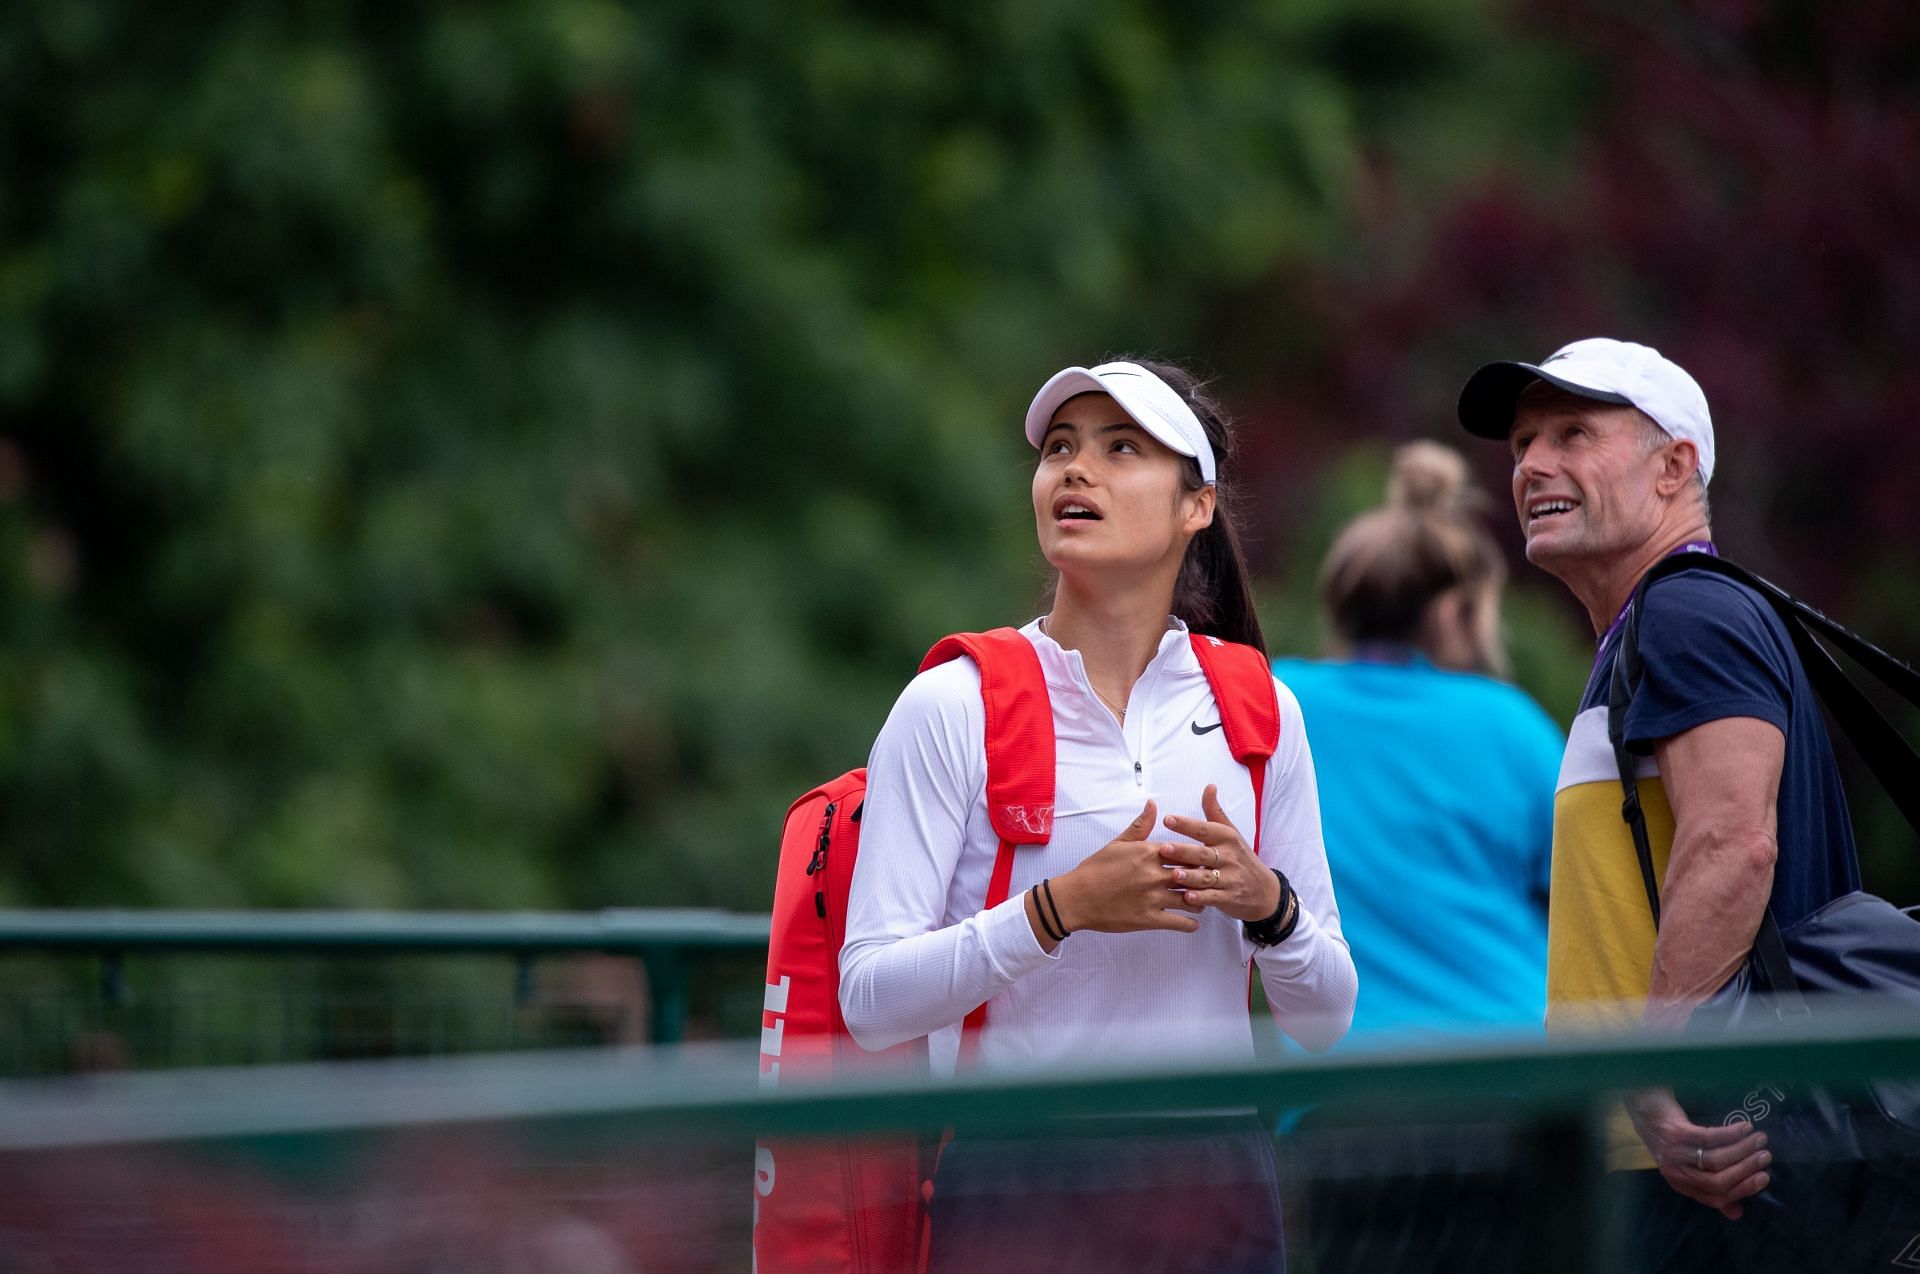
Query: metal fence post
668, 991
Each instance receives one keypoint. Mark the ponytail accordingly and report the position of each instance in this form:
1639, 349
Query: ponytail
1213, 594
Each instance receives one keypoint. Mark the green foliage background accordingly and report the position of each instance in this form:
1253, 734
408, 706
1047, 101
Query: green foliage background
497, 454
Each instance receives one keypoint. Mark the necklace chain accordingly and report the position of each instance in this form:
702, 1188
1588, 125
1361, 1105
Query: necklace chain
1118, 710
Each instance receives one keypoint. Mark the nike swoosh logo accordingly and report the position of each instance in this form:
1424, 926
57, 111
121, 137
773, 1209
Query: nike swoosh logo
1207, 729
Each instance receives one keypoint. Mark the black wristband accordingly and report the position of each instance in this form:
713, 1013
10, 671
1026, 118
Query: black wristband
1046, 887
1278, 927
1040, 910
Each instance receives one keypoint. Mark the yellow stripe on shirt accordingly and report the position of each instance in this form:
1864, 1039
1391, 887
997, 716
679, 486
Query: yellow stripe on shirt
1600, 930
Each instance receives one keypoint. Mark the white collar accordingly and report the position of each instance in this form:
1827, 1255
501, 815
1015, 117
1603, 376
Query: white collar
1064, 667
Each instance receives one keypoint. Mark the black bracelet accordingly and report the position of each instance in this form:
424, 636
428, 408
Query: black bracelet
1278, 927
1040, 910
1046, 887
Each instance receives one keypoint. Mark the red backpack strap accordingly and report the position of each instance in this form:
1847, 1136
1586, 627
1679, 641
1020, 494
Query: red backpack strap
1019, 718
1019, 731
1242, 684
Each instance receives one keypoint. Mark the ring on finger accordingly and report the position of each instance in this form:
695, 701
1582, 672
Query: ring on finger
1700, 1158
1215, 851
1216, 878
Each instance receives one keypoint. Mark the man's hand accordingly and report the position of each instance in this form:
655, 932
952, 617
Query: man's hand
1711, 1164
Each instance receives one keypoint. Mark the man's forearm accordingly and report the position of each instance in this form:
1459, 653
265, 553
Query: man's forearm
1716, 891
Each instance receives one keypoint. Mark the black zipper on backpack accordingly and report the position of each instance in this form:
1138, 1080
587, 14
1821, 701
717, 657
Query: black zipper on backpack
818, 863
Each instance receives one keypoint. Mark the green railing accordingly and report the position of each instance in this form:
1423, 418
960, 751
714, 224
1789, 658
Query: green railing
679, 1124
717, 1087
670, 945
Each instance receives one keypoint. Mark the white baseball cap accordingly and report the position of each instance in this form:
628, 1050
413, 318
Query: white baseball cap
1607, 371
1150, 401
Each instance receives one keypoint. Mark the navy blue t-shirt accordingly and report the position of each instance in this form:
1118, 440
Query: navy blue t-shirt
1713, 648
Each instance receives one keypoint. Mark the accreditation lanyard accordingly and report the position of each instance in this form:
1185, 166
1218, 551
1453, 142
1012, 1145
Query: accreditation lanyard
1691, 546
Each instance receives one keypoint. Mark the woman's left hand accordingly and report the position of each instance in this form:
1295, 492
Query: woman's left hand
1221, 871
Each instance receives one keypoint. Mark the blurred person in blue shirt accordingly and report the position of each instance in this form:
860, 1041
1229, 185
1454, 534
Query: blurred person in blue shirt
1436, 800
1436, 779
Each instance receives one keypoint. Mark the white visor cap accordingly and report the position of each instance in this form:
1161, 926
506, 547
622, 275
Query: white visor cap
1150, 401
1608, 371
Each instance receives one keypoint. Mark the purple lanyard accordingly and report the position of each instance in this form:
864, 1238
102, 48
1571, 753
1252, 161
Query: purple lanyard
1691, 546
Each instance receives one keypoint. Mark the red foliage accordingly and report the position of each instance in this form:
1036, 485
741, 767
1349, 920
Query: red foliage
1745, 196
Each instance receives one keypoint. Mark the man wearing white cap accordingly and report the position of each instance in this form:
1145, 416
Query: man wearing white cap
1613, 448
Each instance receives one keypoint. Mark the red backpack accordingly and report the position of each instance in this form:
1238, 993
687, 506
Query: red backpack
847, 1205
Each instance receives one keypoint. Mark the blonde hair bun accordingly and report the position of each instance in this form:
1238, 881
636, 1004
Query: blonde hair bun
1429, 478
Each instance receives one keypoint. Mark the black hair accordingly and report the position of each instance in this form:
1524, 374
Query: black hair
1213, 594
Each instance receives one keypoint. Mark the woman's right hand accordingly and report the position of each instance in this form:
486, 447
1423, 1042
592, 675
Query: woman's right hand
1123, 887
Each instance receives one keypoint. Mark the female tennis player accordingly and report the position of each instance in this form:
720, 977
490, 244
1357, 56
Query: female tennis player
1129, 934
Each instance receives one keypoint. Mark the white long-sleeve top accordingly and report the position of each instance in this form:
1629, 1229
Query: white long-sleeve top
921, 953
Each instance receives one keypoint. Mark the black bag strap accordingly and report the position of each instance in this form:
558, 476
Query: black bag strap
1886, 751
1897, 673
1619, 697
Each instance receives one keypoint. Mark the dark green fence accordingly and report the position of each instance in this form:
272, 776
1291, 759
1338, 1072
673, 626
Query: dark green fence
626, 1160
94, 990
717, 1087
